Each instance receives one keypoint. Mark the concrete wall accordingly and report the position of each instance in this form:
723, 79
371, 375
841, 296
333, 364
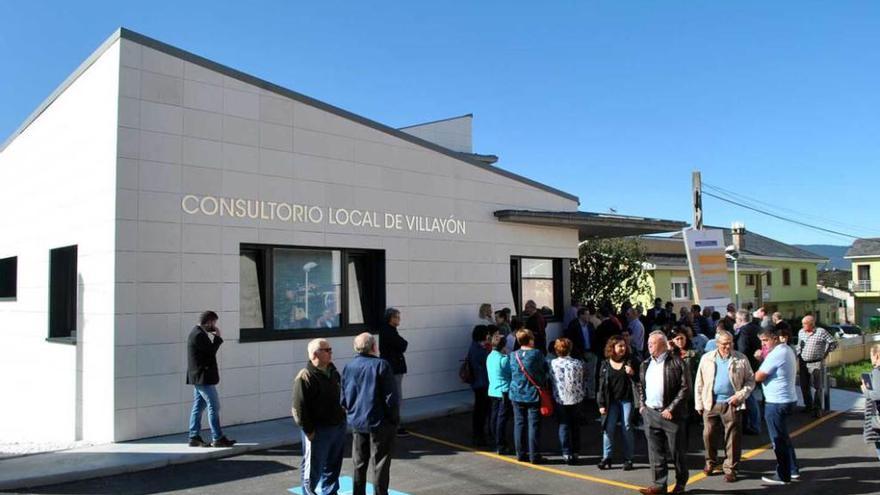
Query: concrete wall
57, 188
185, 129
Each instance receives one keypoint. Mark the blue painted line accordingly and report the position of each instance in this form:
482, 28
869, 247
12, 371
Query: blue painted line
346, 487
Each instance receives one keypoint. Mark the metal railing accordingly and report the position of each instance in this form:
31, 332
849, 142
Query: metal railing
862, 286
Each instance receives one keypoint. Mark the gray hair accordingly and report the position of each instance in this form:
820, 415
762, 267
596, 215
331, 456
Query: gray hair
314, 345
777, 315
743, 315
722, 333
364, 343
659, 335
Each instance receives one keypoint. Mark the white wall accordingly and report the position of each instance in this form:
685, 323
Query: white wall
185, 129
57, 188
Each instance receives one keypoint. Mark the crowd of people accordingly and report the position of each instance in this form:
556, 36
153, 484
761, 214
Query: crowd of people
667, 371
662, 371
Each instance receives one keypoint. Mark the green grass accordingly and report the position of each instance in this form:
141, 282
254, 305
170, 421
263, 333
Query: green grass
850, 375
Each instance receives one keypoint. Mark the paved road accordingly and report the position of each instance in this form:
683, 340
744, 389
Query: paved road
834, 459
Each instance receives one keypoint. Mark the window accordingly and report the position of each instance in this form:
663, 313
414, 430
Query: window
539, 280
803, 276
681, 289
8, 277
769, 278
62, 293
298, 292
786, 276
750, 280
864, 272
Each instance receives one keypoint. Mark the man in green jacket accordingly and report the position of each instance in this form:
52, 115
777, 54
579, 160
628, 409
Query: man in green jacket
321, 418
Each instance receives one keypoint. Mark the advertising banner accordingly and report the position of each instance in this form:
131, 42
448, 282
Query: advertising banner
708, 266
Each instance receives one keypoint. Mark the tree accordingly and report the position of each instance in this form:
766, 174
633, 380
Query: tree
609, 270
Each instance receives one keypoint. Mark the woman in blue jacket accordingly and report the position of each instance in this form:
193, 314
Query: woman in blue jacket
498, 369
524, 395
477, 355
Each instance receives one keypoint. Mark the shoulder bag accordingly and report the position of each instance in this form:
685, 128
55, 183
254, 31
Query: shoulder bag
546, 407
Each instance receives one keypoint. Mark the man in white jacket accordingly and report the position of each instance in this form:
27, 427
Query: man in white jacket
724, 381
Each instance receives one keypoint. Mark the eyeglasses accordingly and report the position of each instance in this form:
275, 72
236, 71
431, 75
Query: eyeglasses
326, 349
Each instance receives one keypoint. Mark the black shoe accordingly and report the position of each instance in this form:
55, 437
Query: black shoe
401, 432
537, 460
502, 451
223, 442
521, 458
197, 441
627, 465
605, 464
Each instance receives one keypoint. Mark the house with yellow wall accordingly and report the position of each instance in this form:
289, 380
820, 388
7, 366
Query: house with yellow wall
772, 274
865, 257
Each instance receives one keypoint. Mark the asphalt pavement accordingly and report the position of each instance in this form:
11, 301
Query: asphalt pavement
437, 459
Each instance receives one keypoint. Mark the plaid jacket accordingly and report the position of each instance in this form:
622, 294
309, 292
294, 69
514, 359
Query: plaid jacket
813, 347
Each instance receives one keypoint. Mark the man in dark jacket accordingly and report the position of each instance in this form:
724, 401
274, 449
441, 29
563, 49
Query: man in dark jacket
747, 342
203, 374
370, 399
663, 393
391, 348
321, 418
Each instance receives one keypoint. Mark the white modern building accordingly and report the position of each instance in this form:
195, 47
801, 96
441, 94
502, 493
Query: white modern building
154, 184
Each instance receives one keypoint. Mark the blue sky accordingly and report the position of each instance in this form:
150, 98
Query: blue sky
616, 102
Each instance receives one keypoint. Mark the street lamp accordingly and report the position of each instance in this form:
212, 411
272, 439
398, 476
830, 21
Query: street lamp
307, 268
732, 253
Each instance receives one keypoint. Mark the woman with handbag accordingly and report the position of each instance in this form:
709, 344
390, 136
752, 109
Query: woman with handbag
528, 378
617, 392
872, 397
569, 388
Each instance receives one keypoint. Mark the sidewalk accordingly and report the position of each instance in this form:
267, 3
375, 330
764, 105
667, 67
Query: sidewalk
151, 453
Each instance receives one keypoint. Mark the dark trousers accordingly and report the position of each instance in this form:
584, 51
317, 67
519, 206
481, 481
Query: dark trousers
526, 414
480, 413
500, 413
569, 428
810, 380
752, 418
375, 446
322, 459
666, 441
776, 416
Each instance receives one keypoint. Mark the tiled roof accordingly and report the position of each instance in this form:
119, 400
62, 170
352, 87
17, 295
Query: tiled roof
864, 247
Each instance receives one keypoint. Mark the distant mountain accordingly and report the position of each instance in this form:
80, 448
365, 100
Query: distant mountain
833, 253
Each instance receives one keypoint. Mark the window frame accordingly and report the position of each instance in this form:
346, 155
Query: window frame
805, 277
266, 282
516, 280
62, 304
686, 281
750, 279
9, 278
769, 278
786, 277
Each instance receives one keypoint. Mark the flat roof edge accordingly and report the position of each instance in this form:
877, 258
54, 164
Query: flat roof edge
268, 86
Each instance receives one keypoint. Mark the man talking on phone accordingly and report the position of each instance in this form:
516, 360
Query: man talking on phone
203, 374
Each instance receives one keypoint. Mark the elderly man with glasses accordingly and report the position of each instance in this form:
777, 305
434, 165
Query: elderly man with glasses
321, 418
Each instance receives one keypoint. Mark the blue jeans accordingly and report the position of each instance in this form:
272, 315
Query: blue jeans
776, 416
618, 410
753, 413
526, 412
569, 428
322, 460
205, 396
500, 411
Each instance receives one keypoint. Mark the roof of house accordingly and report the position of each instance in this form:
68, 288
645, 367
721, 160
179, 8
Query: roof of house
864, 247
681, 262
759, 245
123, 33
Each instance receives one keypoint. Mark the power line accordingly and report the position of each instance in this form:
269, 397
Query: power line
780, 217
847, 226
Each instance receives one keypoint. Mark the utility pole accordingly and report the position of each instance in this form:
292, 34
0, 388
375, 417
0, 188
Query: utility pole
698, 200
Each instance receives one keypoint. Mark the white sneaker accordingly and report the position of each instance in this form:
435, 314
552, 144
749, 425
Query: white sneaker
773, 480
796, 476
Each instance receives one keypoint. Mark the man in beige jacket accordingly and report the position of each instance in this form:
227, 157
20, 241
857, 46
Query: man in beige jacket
724, 381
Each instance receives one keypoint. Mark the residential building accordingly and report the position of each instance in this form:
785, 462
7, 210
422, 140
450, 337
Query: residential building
865, 257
